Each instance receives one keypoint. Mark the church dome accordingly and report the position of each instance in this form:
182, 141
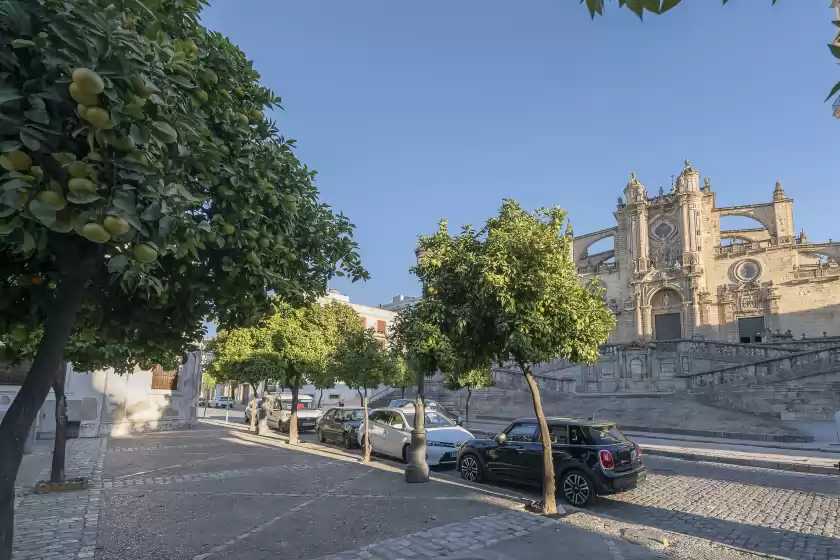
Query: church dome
635, 191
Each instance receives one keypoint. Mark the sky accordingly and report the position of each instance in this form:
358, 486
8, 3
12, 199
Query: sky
413, 112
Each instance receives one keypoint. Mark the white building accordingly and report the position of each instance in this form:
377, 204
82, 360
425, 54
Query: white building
400, 302
377, 318
104, 402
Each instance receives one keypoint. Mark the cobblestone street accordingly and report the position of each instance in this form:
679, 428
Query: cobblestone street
218, 491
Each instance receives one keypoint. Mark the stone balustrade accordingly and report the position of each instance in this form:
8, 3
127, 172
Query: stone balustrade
789, 366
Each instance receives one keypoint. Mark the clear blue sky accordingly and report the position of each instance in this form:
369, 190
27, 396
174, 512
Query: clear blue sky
417, 111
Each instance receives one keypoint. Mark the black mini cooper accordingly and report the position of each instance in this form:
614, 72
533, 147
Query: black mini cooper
590, 457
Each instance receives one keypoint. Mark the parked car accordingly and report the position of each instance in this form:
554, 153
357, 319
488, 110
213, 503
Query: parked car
223, 402
430, 404
248, 410
278, 411
340, 424
390, 434
590, 458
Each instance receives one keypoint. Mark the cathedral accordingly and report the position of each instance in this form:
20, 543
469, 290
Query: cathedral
674, 274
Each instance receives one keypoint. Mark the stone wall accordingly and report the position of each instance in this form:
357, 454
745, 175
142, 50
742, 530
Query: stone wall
104, 402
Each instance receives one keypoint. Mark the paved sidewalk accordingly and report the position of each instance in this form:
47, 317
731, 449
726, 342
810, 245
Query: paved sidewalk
62, 525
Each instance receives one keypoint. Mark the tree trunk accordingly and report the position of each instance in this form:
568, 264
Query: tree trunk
467, 407
57, 473
24, 409
366, 457
255, 413
549, 490
402, 392
293, 421
320, 397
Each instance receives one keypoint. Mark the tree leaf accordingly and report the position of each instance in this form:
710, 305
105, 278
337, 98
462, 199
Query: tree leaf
37, 115
42, 213
140, 134
8, 94
23, 44
30, 141
29, 244
125, 200
117, 263
834, 91
667, 5
151, 213
82, 197
166, 225
835, 50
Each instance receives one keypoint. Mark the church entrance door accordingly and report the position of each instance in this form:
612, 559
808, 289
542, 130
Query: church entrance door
667, 326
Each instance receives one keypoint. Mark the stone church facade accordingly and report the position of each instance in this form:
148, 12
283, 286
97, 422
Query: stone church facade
673, 274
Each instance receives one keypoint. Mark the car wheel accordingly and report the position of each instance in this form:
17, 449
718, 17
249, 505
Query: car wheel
471, 469
577, 488
321, 437
406, 454
348, 443
364, 444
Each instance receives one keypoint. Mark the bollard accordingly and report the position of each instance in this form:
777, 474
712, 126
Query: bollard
227, 413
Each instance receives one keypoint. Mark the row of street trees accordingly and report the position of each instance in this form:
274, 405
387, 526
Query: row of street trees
142, 191
315, 344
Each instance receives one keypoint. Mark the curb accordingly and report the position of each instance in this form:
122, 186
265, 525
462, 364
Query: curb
762, 463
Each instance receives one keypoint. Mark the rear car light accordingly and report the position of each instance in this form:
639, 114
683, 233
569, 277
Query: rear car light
638, 450
606, 459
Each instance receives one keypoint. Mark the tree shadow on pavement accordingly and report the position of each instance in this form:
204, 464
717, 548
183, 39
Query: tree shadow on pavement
755, 538
754, 476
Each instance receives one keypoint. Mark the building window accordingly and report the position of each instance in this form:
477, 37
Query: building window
363, 321
380, 326
334, 396
164, 380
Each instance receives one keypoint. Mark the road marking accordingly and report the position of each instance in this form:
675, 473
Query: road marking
259, 528
616, 553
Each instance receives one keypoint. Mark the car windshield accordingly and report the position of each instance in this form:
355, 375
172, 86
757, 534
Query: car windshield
350, 415
433, 420
606, 435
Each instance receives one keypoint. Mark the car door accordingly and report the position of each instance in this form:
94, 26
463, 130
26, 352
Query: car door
508, 459
394, 434
327, 424
376, 429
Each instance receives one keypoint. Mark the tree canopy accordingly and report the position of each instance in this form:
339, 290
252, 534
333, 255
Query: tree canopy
508, 291
292, 346
141, 187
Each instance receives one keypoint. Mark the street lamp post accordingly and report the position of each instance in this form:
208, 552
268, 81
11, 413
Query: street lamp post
417, 469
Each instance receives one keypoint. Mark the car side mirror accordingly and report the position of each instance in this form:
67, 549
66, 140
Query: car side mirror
459, 422
501, 438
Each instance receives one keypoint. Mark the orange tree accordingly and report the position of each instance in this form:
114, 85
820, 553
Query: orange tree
510, 292
140, 179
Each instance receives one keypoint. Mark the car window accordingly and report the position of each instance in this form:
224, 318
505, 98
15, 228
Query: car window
606, 435
522, 432
380, 417
557, 434
330, 414
576, 436
396, 421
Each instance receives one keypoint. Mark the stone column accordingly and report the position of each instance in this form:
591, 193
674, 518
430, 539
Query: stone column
640, 327
647, 323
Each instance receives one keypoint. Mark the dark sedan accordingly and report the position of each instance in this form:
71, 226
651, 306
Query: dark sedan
340, 424
590, 458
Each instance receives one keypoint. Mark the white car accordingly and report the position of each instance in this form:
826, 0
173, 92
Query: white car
390, 434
